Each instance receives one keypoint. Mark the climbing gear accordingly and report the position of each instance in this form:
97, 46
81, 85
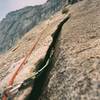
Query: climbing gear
14, 89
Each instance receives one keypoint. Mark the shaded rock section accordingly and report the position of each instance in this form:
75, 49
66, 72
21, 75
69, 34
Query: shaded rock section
76, 63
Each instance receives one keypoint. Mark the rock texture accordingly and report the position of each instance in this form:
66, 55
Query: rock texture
17, 23
76, 64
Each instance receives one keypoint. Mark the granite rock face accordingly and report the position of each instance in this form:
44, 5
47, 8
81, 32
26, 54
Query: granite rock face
17, 23
75, 73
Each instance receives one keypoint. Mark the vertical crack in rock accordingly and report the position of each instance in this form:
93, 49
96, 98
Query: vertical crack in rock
39, 82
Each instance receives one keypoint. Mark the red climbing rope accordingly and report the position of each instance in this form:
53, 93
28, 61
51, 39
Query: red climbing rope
21, 64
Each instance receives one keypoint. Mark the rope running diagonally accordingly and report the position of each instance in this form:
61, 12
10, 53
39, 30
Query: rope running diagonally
21, 65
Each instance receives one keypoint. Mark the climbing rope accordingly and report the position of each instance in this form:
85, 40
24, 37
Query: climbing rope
25, 60
22, 63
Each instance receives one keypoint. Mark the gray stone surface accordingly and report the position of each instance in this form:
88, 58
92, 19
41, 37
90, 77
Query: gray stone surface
17, 23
